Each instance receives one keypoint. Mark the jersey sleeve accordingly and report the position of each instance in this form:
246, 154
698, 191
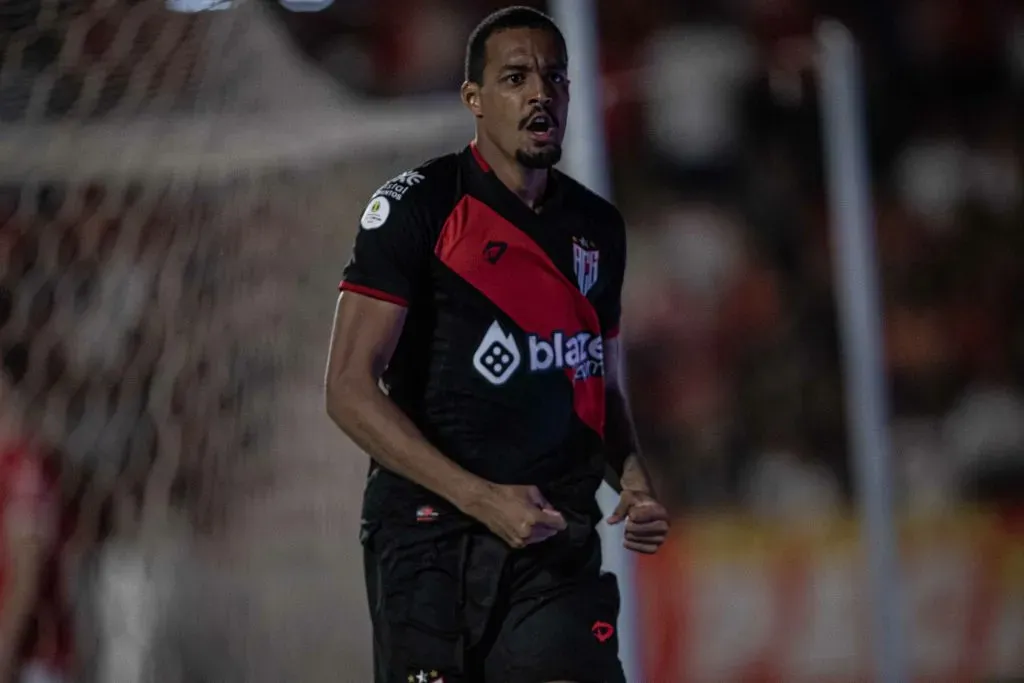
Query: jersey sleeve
391, 251
609, 306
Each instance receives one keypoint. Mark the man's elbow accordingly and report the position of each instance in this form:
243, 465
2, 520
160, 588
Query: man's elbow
336, 398
344, 393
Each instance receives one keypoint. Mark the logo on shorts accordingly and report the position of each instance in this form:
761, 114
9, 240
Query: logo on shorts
497, 357
426, 513
602, 630
422, 676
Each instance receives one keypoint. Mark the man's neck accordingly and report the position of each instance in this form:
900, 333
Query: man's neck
529, 184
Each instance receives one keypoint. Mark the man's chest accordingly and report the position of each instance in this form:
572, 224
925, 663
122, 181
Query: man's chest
543, 258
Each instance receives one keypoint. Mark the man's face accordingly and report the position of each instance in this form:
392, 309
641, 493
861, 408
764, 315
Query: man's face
524, 98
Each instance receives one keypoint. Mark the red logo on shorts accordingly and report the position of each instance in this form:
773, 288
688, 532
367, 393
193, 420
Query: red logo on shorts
602, 630
426, 514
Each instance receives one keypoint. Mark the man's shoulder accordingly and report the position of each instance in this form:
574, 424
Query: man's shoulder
421, 196
433, 180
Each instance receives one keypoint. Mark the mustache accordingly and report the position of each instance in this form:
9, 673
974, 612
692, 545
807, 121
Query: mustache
546, 112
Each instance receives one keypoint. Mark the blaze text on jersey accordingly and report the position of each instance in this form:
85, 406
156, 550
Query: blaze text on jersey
582, 352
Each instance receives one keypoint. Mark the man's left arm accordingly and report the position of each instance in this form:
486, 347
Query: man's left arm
626, 468
646, 519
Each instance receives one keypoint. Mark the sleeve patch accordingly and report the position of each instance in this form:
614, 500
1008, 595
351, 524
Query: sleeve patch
376, 213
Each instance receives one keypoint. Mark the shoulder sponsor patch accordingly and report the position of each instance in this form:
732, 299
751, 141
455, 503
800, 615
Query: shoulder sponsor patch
396, 188
376, 213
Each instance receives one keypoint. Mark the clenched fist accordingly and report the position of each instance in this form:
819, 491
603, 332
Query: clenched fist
519, 515
647, 521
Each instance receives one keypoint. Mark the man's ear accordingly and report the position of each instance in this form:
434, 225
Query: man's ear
471, 98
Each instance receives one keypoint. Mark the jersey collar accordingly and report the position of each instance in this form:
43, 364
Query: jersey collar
552, 197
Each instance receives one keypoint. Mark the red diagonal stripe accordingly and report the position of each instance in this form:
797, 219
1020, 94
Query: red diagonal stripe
525, 284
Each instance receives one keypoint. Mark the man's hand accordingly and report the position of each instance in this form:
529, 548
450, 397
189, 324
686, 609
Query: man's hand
646, 520
519, 515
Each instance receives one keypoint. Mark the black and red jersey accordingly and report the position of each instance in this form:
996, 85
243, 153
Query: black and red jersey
500, 363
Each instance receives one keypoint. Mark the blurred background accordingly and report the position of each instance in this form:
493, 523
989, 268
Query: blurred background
179, 188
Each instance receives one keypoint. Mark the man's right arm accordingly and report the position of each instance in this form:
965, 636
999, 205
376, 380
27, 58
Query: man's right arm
365, 334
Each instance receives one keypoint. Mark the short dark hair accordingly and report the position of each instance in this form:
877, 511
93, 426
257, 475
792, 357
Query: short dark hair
510, 17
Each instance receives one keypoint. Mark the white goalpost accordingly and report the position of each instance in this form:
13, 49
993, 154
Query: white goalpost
853, 244
586, 159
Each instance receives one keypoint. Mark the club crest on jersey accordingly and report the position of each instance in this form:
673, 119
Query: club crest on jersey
585, 258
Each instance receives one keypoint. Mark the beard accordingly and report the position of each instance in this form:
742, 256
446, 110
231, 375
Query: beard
541, 159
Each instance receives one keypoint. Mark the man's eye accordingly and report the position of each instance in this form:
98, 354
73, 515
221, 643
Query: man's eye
515, 79
558, 78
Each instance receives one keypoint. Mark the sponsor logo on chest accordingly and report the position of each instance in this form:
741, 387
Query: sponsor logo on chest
498, 356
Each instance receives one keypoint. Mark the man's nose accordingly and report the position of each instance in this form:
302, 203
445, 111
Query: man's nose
542, 91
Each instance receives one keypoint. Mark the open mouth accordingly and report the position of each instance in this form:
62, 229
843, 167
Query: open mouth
541, 127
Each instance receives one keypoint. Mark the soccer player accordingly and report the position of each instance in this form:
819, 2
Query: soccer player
475, 358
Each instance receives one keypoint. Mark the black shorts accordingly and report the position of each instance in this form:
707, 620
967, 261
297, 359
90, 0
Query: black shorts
462, 607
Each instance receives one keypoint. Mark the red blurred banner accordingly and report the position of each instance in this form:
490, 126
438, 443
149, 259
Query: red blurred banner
732, 601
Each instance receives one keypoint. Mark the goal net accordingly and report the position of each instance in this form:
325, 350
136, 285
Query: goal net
178, 194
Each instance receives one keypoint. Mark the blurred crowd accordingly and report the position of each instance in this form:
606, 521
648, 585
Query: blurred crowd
735, 342
713, 122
